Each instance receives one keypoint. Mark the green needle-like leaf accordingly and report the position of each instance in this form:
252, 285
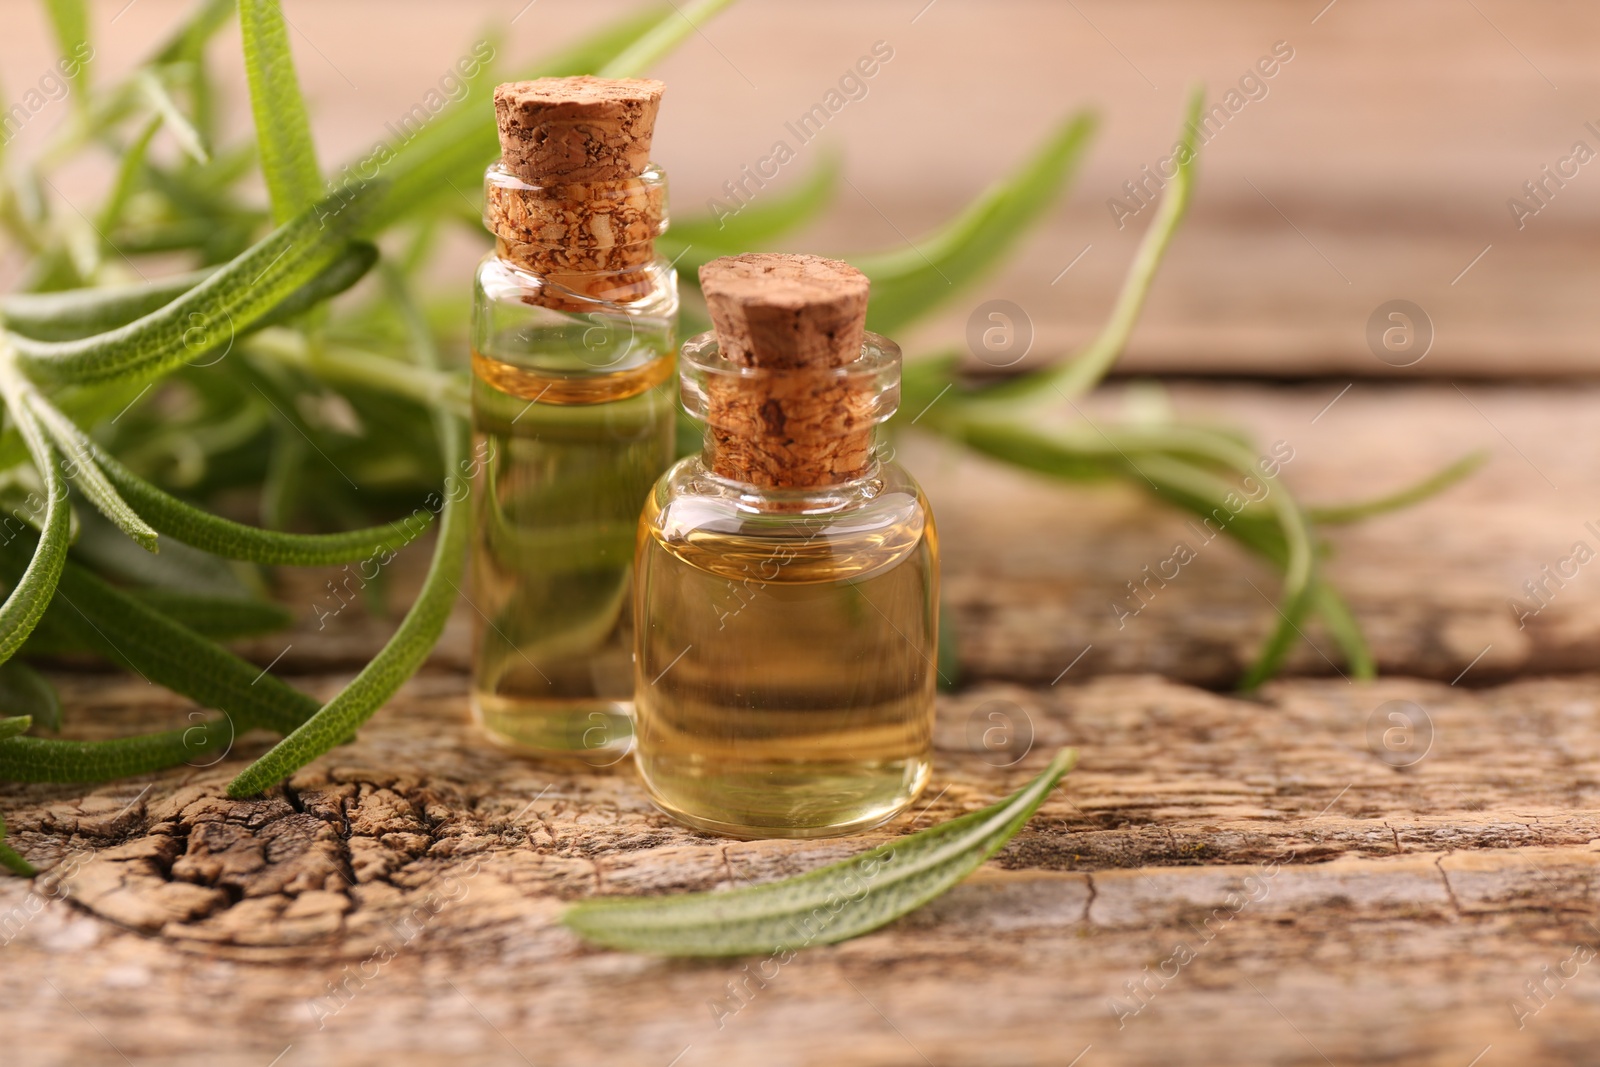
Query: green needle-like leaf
1148, 456
349, 267
212, 314
911, 282
418, 632
216, 617
1434, 484
10, 860
24, 691
398, 660
142, 639
233, 540
137, 636
70, 314
70, 20
731, 229
188, 41
128, 174
31, 594
1292, 612
176, 121
1080, 374
73, 444
658, 43
833, 903
41, 759
1342, 624
1089, 366
288, 156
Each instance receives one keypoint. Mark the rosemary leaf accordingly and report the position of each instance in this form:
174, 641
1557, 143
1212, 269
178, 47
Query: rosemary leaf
834, 903
694, 241
187, 43
418, 632
1434, 484
349, 267
1292, 610
219, 618
137, 636
70, 314
31, 593
176, 121
44, 759
1341, 623
283, 132
909, 283
129, 173
70, 20
661, 39
214, 617
10, 860
1085, 369
234, 540
74, 443
1149, 457
212, 314
398, 659
25, 692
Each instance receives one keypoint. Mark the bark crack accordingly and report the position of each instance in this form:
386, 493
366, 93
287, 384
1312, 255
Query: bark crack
1438, 862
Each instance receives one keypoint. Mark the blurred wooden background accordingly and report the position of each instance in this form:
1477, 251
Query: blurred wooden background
1377, 165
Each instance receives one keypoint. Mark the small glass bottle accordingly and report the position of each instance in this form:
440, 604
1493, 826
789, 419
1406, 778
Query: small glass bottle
573, 337
787, 588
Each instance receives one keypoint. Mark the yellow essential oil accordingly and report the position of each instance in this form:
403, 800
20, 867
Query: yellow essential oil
572, 401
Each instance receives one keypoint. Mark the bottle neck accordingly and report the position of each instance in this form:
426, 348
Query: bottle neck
832, 498
804, 428
586, 240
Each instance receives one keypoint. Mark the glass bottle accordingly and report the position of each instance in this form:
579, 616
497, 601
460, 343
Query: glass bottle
787, 598
574, 317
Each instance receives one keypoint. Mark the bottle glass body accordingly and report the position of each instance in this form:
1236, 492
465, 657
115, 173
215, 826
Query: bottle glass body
786, 644
572, 398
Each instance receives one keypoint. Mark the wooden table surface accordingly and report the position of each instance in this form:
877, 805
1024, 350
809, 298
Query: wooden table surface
1223, 880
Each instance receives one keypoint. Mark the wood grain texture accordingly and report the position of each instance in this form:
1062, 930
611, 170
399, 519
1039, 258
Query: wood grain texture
397, 902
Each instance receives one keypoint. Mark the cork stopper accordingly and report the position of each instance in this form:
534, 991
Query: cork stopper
801, 319
582, 129
782, 311
571, 198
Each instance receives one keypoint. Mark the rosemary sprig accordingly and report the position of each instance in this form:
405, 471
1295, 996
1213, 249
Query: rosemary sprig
833, 903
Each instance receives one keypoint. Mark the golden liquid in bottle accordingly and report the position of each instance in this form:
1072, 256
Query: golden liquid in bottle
567, 461
786, 677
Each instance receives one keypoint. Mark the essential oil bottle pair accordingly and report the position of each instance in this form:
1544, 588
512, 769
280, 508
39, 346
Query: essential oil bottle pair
762, 638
